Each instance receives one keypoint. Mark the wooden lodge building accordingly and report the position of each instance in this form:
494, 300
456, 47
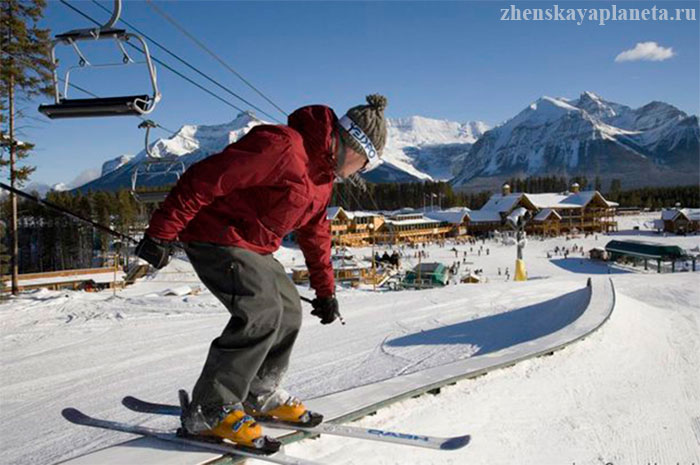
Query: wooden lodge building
679, 220
409, 226
403, 226
353, 228
552, 214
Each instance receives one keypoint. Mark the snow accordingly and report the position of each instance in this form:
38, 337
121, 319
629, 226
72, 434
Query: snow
555, 133
111, 165
418, 130
629, 393
453, 216
501, 203
544, 214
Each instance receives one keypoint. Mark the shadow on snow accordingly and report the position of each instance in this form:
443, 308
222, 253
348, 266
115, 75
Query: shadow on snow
507, 329
585, 266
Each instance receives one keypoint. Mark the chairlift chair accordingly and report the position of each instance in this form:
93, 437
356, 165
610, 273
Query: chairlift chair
64, 107
154, 166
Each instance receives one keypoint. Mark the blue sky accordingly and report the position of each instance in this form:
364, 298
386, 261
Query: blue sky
447, 60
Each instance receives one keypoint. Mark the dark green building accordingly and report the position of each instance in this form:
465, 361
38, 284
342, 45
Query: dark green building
427, 275
642, 252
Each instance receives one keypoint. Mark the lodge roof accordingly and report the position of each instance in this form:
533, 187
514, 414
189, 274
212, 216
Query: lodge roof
692, 214
453, 215
505, 203
546, 213
644, 249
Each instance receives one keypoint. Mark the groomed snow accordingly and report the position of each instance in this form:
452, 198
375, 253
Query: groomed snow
626, 394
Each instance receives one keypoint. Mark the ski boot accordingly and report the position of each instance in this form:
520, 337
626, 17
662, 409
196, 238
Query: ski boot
281, 408
229, 423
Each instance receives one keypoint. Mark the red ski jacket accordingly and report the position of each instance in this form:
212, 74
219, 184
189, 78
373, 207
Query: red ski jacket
274, 180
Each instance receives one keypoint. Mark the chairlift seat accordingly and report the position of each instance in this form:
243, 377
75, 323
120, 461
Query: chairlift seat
92, 107
89, 34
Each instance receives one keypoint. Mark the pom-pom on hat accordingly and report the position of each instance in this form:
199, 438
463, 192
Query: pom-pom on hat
363, 128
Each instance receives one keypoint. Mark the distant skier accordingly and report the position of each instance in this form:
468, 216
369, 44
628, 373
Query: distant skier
231, 211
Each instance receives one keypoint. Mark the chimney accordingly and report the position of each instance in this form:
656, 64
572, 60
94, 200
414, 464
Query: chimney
506, 189
575, 188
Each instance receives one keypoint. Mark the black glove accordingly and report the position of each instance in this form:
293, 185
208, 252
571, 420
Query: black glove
326, 308
157, 252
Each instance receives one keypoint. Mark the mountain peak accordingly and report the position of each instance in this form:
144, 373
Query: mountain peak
582, 135
244, 118
597, 107
419, 130
587, 94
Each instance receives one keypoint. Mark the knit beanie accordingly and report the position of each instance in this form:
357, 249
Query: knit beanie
370, 119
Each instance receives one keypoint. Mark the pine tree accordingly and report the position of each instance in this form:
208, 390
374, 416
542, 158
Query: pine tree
598, 184
25, 73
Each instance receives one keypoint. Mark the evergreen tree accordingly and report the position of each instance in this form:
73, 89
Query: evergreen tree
25, 72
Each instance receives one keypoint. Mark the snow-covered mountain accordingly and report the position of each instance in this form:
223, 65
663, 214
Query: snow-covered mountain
429, 149
189, 145
417, 149
114, 164
656, 144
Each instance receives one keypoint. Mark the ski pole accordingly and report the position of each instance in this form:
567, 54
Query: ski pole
337, 312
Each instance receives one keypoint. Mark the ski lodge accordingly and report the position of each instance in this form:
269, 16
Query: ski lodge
679, 220
403, 226
552, 214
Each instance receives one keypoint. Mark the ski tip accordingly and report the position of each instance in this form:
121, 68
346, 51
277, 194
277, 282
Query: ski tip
73, 415
129, 401
456, 443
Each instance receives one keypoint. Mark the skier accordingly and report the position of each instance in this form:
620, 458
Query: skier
231, 211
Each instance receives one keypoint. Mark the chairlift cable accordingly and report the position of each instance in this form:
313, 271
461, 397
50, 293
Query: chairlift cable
166, 66
210, 52
66, 212
184, 62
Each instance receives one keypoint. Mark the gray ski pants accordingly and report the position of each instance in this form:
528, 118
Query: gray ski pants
252, 354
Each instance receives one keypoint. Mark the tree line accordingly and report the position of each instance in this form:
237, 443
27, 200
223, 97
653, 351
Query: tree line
49, 241
394, 196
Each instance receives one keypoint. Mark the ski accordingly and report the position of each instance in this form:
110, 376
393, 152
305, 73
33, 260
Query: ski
79, 418
357, 432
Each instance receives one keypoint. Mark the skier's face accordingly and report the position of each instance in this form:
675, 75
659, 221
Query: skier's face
350, 164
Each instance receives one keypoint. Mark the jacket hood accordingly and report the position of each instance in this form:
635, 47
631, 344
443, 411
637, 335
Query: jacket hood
315, 124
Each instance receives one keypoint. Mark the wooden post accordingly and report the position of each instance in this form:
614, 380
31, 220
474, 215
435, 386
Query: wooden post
374, 268
114, 281
13, 197
418, 273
